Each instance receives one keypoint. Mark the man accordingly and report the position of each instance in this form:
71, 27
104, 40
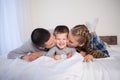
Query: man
41, 41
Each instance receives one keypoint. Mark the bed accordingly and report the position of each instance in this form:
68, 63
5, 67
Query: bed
45, 68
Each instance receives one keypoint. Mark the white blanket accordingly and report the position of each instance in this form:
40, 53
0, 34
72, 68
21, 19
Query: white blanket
45, 68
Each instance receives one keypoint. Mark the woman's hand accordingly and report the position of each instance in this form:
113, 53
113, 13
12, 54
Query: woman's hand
88, 58
83, 53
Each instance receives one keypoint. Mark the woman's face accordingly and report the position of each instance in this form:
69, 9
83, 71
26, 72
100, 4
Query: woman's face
72, 40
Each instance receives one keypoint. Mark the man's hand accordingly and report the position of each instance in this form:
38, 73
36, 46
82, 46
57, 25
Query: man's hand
32, 56
88, 58
25, 57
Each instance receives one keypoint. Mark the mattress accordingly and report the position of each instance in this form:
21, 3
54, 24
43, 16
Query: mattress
46, 68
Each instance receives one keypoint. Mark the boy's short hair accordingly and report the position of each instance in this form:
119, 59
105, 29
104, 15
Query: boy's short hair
39, 36
61, 29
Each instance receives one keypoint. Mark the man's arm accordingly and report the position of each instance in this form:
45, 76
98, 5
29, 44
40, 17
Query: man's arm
24, 53
21, 51
17, 53
32, 56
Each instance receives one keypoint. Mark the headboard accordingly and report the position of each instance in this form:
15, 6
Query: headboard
111, 40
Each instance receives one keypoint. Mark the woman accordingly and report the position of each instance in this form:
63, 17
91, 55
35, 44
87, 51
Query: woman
86, 43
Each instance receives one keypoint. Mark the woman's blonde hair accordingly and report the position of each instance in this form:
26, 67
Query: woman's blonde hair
82, 33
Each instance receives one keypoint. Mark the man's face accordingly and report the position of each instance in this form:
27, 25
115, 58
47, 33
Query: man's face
51, 42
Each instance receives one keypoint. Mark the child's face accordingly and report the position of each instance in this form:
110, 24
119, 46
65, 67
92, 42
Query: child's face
61, 40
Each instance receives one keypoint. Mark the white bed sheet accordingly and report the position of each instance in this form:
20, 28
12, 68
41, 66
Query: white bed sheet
45, 68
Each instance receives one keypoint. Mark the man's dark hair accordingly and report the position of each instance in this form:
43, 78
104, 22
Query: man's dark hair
39, 36
61, 29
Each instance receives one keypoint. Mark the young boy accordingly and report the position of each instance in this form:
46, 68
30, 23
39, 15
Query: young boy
61, 51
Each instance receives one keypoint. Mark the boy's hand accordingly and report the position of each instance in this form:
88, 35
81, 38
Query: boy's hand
69, 55
57, 57
88, 58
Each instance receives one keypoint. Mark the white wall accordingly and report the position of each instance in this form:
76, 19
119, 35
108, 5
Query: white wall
49, 13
